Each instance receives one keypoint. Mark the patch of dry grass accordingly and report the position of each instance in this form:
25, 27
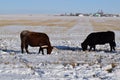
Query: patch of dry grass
107, 24
48, 22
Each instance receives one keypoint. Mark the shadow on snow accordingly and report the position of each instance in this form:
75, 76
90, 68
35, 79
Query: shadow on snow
9, 51
68, 48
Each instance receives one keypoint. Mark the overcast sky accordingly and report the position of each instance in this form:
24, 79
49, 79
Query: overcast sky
58, 6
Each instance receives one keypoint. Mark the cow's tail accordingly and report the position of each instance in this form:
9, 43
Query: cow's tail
24, 33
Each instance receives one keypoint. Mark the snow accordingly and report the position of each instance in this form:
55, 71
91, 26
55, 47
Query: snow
67, 61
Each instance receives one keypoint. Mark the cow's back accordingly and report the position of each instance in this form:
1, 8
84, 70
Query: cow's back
37, 39
100, 37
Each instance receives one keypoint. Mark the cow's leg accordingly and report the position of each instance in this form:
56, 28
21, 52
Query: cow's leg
22, 47
26, 48
94, 47
90, 48
111, 46
47, 50
114, 45
41, 49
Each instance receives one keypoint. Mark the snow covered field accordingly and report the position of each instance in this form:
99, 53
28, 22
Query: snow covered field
67, 61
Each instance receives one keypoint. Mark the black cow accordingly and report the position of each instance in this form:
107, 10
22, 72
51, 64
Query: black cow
99, 38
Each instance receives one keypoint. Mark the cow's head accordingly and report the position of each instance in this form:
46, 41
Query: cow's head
49, 50
84, 46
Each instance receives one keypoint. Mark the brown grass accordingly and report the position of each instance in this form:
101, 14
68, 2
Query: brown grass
49, 22
105, 25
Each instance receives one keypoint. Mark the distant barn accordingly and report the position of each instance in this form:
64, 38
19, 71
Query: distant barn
97, 38
35, 39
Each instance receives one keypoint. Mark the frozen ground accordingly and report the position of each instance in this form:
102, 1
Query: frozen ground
67, 61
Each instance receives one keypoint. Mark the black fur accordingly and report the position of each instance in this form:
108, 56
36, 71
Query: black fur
99, 38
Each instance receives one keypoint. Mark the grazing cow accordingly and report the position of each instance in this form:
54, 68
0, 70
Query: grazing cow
35, 39
99, 38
